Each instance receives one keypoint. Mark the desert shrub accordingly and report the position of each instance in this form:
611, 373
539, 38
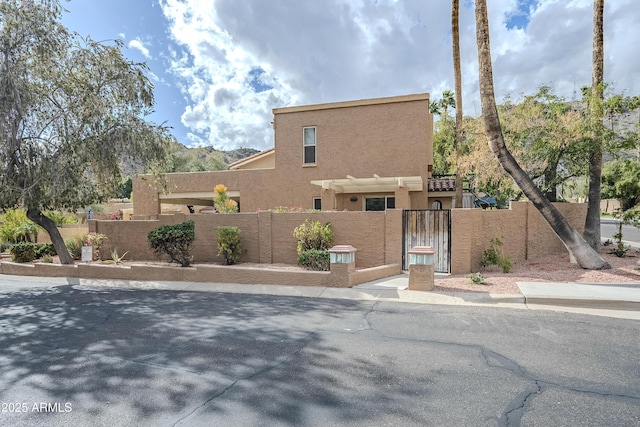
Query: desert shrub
23, 252
477, 278
96, 240
115, 215
314, 241
495, 255
74, 246
4, 246
174, 241
315, 259
313, 235
221, 200
229, 247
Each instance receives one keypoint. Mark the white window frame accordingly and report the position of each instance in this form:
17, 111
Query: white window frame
313, 203
314, 145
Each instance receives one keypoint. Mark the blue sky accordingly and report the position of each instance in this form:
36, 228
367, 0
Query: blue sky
220, 66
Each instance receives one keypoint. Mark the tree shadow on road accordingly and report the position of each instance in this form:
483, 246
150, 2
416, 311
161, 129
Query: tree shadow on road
160, 357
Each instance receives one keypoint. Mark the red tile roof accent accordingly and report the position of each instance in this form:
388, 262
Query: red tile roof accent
442, 184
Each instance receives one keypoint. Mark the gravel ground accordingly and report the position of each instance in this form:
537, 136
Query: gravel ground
555, 268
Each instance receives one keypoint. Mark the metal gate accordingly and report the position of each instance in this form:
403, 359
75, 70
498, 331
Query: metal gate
428, 228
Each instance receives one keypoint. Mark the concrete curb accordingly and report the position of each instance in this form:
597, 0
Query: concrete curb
586, 295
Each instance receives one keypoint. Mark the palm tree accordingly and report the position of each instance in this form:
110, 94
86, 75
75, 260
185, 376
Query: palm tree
592, 222
442, 106
584, 254
457, 72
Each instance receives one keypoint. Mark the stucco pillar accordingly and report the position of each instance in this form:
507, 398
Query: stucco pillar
421, 271
328, 196
343, 263
403, 201
146, 200
265, 237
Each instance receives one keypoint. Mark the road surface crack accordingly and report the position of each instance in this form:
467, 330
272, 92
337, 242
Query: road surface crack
279, 362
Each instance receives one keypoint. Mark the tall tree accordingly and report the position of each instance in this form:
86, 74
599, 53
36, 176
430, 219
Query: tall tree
72, 111
584, 254
592, 221
444, 134
457, 72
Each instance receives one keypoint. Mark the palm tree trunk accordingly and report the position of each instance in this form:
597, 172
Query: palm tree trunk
455, 32
583, 253
592, 222
43, 221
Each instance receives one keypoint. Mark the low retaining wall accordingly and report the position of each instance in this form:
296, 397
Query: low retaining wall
204, 273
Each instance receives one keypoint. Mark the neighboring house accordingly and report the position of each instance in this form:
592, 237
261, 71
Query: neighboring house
372, 154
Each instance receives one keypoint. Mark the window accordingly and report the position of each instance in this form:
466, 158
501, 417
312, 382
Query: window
309, 145
437, 205
379, 203
317, 203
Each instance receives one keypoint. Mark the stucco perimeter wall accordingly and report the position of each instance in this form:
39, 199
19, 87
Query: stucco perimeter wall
266, 237
521, 228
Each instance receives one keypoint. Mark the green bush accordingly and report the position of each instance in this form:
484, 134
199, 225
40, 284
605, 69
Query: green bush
313, 235
229, 247
315, 259
16, 227
495, 255
27, 251
45, 249
23, 252
174, 241
314, 241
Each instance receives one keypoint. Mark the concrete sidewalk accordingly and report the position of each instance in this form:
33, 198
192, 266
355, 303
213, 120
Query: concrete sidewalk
602, 295
609, 300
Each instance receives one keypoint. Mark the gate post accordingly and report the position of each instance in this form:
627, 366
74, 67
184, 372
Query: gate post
421, 272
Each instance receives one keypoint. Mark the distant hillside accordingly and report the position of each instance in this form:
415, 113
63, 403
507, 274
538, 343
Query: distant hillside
193, 159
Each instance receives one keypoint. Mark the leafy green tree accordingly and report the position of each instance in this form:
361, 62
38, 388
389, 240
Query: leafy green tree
197, 159
444, 136
621, 180
72, 111
542, 132
443, 150
547, 136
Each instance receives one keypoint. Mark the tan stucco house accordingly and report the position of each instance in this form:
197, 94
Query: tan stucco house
371, 154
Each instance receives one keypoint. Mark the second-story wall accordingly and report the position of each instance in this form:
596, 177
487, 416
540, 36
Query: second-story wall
388, 137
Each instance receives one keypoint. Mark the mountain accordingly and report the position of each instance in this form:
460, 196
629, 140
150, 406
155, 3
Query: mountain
195, 159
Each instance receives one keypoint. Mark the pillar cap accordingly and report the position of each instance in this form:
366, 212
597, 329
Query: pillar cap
422, 250
342, 249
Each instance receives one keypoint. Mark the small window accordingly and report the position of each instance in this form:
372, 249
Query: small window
309, 145
317, 203
379, 203
437, 205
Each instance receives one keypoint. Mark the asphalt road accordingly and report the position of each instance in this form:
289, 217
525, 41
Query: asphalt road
630, 233
81, 356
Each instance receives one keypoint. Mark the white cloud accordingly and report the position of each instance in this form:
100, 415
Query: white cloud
138, 45
236, 60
